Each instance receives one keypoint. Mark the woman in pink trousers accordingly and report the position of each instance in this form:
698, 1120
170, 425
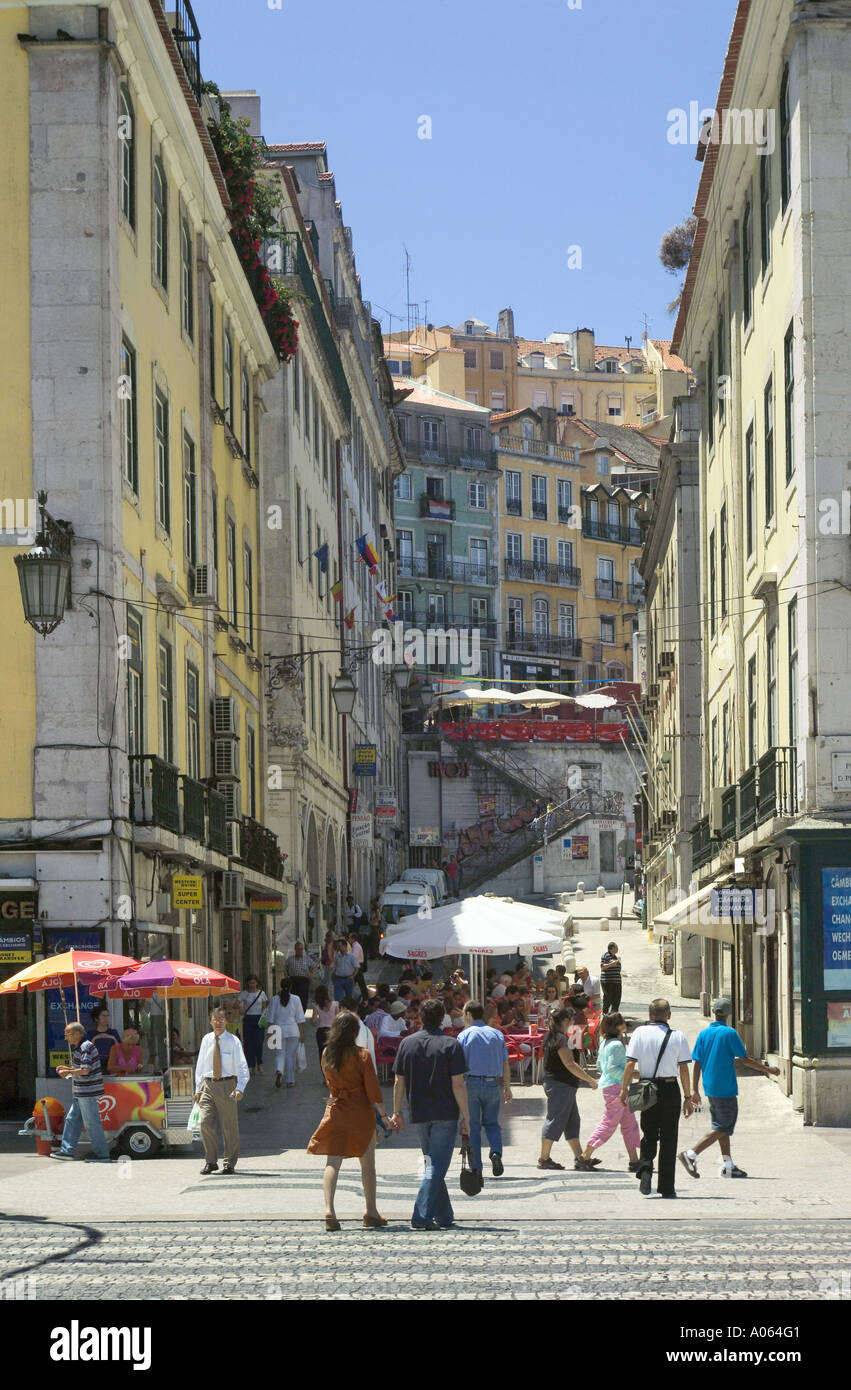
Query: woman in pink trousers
611, 1061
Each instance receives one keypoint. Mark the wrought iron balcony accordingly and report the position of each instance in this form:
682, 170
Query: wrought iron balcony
539, 511
187, 36
452, 455
608, 588
701, 843
449, 570
635, 593
777, 793
539, 572
729, 798
194, 809
153, 792
217, 823
513, 506
747, 800
542, 643
565, 515
610, 531
260, 849
462, 622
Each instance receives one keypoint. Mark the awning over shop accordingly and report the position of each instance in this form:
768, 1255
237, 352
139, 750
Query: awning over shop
693, 915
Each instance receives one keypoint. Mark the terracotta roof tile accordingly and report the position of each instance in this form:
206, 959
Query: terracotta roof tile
670, 361
301, 147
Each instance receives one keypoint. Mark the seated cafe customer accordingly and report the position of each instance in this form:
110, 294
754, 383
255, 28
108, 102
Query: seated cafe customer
125, 1057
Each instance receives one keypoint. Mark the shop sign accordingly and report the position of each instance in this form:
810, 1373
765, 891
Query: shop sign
187, 890
839, 1024
267, 904
361, 823
365, 759
836, 923
385, 805
57, 940
16, 947
17, 907
425, 835
841, 765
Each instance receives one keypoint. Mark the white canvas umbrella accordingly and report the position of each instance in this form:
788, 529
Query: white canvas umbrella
475, 927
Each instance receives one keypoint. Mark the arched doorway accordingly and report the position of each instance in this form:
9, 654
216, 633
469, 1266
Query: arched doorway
332, 879
310, 926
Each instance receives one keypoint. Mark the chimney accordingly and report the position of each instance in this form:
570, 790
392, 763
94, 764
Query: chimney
245, 104
505, 327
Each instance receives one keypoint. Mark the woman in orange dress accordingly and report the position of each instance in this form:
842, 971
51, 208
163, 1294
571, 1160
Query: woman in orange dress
347, 1129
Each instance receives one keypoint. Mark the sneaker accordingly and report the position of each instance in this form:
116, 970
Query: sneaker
645, 1182
57, 1153
689, 1163
732, 1171
551, 1164
496, 1165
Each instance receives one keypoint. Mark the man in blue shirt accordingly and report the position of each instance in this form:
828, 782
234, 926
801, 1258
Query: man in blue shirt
86, 1078
714, 1053
429, 1070
488, 1077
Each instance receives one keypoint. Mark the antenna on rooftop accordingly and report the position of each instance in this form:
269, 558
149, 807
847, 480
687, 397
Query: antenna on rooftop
408, 285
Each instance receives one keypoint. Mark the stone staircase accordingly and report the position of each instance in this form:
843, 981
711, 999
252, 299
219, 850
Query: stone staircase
508, 849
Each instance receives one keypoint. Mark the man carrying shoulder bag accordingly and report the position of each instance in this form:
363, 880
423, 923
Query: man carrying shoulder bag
658, 1053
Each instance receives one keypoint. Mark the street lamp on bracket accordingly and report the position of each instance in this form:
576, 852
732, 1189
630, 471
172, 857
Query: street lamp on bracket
286, 670
44, 573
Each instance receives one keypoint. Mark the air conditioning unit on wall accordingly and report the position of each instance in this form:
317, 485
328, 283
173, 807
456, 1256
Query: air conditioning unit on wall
233, 830
225, 758
225, 716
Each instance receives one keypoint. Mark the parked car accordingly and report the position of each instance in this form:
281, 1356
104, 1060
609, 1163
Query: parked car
435, 878
404, 899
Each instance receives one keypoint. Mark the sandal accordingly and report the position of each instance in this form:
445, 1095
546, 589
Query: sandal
551, 1164
374, 1222
331, 1223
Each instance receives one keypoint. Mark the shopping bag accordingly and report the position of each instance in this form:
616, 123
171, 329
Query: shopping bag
194, 1121
472, 1181
301, 1058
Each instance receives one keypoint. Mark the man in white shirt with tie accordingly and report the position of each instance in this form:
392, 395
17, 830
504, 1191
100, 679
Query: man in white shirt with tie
221, 1076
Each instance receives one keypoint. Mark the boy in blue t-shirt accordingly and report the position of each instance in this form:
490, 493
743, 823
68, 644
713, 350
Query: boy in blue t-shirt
714, 1053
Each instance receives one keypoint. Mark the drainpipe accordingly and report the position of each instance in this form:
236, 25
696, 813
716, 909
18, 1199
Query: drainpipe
344, 724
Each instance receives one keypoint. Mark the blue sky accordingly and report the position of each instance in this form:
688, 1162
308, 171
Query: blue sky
549, 130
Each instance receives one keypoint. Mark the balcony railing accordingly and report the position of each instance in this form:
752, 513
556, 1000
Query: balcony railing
729, 798
297, 268
539, 572
513, 506
438, 508
452, 455
216, 807
565, 515
701, 843
187, 36
747, 800
608, 588
635, 593
194, 809
542, 643
539, 511
260, 849
153, 795
777, 784
450, 571
609, 531
538, 448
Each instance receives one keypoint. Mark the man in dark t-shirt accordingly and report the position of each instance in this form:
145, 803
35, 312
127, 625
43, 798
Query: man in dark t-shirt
429, 1069
610, 968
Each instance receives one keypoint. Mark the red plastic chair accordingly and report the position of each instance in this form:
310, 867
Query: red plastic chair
385, 1055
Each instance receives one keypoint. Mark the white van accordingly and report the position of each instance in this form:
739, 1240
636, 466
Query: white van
404, 900
435, 878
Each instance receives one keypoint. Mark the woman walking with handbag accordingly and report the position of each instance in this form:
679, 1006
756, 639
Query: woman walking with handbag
562, 1075
611, 1062
286, 1016
347, 1129
253, 1002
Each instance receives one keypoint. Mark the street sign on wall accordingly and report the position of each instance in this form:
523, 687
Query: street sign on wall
365, 759
361, 823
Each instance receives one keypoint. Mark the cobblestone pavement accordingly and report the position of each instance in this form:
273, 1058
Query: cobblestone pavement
795, 1262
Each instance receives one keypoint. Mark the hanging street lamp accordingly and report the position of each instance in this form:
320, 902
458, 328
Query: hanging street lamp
44, 573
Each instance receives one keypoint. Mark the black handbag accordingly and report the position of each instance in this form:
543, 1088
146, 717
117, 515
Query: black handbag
472, 1181
644, 1094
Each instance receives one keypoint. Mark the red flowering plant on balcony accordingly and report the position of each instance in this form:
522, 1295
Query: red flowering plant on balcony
253, 220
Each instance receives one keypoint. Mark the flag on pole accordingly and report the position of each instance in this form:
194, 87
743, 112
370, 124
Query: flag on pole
381, 591
322, 556
349, 619
337, 591
367, 553
390, 615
